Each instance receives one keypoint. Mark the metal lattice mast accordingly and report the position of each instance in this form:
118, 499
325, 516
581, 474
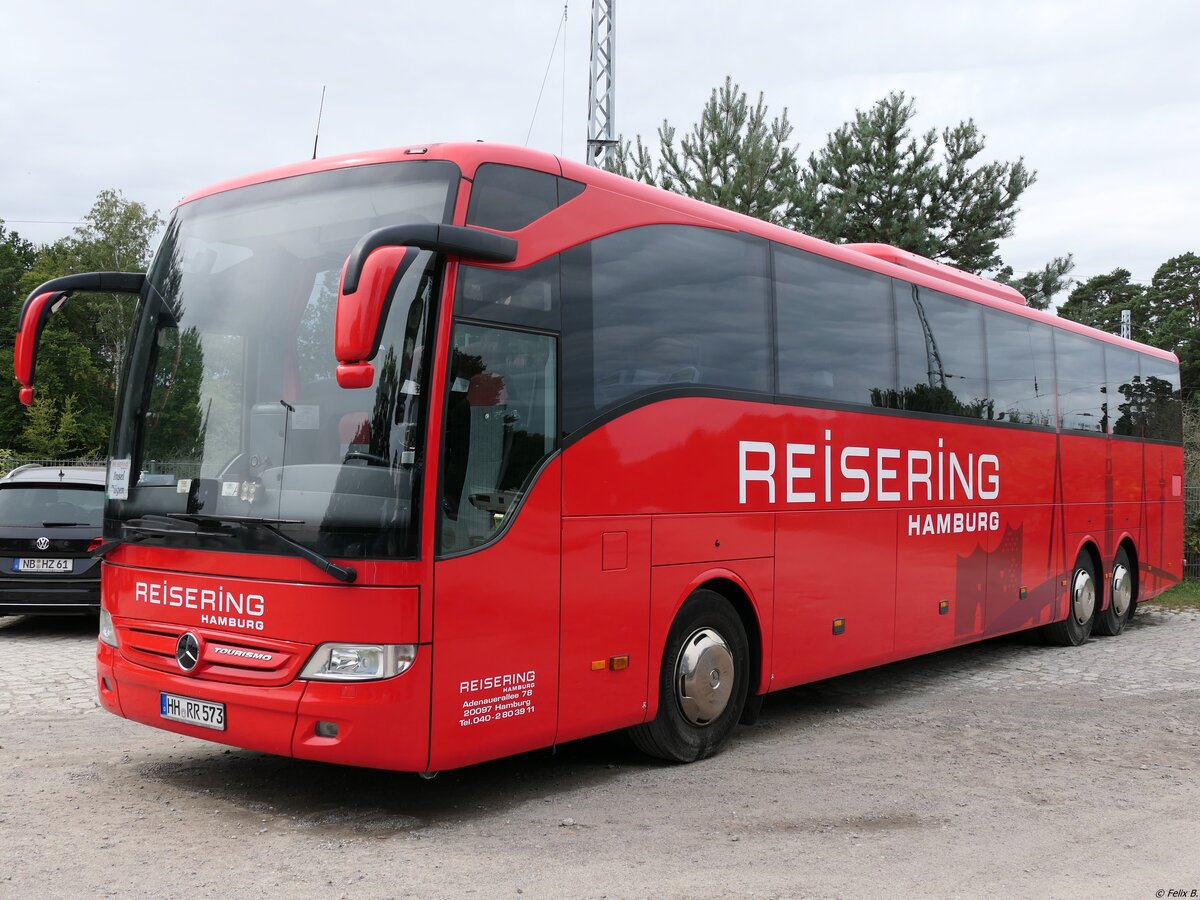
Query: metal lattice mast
602, 132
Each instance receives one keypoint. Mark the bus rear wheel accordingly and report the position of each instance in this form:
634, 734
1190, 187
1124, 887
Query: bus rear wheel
1122, 597
1081, 612
702, 683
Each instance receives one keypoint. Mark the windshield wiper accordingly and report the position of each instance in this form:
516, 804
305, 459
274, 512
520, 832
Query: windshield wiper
347, 574
153, 526
64, 524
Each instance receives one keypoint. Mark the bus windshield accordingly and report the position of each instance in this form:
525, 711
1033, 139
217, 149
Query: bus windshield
230, 405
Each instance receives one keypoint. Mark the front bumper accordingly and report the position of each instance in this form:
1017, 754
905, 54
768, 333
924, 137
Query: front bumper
381, 724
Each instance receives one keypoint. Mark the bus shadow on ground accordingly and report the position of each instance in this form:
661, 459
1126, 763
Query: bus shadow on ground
343, 799
347, 800
880, 685
375, 802
941, 671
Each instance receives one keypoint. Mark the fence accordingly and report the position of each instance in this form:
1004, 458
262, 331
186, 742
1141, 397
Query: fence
1191, 532
183, 468
8, 463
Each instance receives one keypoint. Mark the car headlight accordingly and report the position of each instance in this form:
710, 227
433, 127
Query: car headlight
359, 662
108, 634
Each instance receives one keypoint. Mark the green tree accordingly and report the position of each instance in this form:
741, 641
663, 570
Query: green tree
1041, 285
17, 257
733, 157
114, 237
1173, 314
53, 430
82, 348
1099, 300
872, 182
115, 234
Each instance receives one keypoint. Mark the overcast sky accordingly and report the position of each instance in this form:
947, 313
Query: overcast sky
157, 99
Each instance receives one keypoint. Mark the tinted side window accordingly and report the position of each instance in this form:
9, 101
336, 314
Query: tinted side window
1126, 399
1020, 364
1163, 401
518, 296
941, 359
1082, 404
663, 307
500, 425
834, 327
508, 198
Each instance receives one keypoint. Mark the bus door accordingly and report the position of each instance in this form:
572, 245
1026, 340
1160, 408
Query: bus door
496, 580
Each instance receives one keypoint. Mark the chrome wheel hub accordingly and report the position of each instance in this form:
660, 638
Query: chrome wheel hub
1083, 596
704, 676
1122, 590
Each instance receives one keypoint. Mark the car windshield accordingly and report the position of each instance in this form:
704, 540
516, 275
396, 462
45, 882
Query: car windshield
231, 405
38, 506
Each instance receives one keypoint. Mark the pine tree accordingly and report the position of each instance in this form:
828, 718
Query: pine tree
52, 431
733, 157
1041, 285
874, 181
1098, 302
1173, 314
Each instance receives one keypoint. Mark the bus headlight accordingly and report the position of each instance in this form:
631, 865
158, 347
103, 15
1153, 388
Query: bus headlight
108, 634
359, 662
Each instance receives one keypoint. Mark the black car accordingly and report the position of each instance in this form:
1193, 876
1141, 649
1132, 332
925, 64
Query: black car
50, 517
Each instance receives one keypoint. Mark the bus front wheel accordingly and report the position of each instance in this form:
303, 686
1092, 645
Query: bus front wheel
702, 682
1122, 597
1081, 610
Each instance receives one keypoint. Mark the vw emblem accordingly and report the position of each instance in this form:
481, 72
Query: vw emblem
42, 543
187, 652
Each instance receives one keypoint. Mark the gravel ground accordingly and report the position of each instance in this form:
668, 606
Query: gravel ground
1005, 769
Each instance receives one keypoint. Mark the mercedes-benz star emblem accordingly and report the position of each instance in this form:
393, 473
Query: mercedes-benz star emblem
187, 652
42, 543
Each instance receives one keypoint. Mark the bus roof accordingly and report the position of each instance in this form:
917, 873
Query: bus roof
881, 258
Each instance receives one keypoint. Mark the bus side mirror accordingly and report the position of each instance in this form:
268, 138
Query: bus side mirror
49, 299
33, 322
362, 311
372, 271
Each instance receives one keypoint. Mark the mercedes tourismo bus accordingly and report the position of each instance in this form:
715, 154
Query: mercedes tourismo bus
427, 456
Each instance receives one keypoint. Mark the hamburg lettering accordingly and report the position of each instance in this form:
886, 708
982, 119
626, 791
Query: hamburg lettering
953, 523
231, 622
800, 473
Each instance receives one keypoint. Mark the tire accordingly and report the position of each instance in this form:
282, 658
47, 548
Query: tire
1081, 611
1122, 597
702, 684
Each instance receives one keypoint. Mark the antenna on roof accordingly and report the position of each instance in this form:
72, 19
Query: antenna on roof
320, 112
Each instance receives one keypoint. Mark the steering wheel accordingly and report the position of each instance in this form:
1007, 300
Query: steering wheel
371, 458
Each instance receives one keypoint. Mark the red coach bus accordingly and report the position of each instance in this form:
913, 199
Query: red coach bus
432, 455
